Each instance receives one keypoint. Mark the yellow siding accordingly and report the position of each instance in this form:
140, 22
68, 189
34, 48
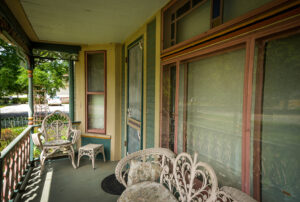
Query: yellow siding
113, 95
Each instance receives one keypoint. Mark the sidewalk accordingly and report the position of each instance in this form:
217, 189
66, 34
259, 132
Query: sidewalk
19, 108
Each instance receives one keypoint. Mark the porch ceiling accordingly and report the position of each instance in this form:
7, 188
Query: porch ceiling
87, 21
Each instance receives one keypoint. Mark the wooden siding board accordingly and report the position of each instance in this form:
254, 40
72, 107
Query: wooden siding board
123, 104
150, 85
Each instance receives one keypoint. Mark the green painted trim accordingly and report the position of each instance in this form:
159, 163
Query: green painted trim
123, 112
57, 47
30, 88
142, 111
150, 83
105, 142
71, 90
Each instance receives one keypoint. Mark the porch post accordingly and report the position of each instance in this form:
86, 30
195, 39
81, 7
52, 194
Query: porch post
30, 101
71, 90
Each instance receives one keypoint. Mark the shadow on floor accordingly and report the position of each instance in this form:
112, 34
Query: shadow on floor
61, 182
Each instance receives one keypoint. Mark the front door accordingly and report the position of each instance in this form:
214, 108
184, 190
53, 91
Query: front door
135, 97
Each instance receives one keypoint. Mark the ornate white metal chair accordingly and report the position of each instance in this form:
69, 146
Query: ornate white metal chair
182, 179
56, 137
157, 156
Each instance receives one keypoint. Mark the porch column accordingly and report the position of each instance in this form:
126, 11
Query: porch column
30, 101
71, 90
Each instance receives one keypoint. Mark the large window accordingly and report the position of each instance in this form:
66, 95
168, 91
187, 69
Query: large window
206, 102
212, 105
276, 120
95, 91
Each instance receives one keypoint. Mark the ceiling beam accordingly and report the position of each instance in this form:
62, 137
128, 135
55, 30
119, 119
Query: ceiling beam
18, 34
57, 47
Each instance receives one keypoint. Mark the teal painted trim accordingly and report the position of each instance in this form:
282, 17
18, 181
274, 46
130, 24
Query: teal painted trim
57, 47
105, 142
150, 85
30, 102
123, 104
30, 88
71, 90
142, 111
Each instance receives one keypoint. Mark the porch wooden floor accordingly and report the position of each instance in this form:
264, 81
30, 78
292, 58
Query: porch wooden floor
61, 182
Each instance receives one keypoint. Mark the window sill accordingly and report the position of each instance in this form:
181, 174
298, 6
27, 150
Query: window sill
99, 136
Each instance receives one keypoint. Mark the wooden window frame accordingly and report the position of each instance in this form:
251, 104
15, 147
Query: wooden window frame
289, 22
256, 15
87, 93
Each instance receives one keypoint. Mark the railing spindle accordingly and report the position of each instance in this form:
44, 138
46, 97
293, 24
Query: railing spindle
5, 179
19, 162
11, 173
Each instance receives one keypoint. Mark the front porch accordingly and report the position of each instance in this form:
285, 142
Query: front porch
215, 77
60, 182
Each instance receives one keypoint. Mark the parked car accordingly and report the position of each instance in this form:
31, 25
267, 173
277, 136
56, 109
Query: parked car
54, 101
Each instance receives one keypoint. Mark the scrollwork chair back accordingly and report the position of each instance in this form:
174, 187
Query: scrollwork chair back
195, 181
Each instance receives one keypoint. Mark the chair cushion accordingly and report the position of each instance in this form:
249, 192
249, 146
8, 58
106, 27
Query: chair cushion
147, 191
57, 143
143, 171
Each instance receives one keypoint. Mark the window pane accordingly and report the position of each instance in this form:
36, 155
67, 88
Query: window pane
279, 136
96, 111
214, 107
135, 82
196, 22
236, 8
95, 72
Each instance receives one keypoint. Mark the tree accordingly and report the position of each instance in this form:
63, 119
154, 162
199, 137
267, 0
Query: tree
51, 75
48, 75
9, 69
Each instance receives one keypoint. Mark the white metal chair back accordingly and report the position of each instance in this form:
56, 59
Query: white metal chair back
195, 181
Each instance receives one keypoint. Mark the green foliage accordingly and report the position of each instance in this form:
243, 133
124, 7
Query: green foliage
51, 75
48, 75
8, 135
9, 69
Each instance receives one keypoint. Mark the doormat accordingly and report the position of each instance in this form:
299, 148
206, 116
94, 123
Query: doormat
111, 185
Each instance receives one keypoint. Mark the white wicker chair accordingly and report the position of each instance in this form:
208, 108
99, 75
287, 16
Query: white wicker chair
154, 155
56, 136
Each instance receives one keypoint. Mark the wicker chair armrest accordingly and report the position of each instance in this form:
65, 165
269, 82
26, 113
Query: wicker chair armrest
74, 135
36, 138
123, 165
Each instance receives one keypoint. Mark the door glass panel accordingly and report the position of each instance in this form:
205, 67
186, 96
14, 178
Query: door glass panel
278, 139
135, 82
168, 106
214, 104
95, 71
95, 111
134, 142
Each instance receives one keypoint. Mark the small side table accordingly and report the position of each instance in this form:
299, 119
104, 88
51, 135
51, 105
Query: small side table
91, 150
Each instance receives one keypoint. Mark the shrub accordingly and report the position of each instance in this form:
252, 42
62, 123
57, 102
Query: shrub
8, 135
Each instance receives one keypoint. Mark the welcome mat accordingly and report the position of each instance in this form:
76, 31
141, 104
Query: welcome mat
111, 185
